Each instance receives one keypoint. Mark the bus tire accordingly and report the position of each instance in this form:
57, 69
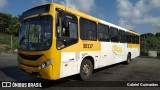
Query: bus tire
86, 70
128, 59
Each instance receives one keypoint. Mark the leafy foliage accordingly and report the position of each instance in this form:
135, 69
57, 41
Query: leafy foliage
150, 42
9, 24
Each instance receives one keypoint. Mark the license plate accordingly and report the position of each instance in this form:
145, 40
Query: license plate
28, 71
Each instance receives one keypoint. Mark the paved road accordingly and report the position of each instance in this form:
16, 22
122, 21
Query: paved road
140, 69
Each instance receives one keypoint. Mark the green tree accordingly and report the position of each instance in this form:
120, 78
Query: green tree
14, 26
9, 24
5, 20
147, 35
157, 34
150, 42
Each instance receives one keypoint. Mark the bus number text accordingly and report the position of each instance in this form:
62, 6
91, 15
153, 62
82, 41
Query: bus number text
87, 45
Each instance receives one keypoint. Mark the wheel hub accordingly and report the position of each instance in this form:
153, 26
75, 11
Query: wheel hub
86, 69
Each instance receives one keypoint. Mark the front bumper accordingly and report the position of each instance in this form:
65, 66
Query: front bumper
46, 73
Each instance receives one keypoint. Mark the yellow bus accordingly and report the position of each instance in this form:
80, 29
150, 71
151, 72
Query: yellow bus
57, 41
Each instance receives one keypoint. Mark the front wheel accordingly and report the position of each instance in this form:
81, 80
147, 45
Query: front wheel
86, 69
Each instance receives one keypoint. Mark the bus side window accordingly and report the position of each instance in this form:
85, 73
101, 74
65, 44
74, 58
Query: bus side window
114, 34
122, 36
88, 29
137, 39
73, 30
67, 32
129, 37
103, 33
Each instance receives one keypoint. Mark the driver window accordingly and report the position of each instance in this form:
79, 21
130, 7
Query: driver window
67, 30
73, 27
71, 30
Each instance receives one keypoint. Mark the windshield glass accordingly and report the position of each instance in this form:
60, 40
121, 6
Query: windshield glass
36, 33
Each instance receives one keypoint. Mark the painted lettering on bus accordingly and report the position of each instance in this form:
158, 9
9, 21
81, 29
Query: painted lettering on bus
116, 48
87, 45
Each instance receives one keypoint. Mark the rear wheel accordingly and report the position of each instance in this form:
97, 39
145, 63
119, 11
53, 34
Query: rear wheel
86, 69
128, 59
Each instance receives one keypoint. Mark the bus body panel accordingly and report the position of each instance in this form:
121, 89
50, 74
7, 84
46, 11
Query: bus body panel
72, 56
71, 66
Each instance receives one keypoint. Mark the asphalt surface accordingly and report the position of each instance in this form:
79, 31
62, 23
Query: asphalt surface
140, 69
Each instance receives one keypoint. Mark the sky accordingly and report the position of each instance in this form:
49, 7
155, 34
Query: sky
142, 16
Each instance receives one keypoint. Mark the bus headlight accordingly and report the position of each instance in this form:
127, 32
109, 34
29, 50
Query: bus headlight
45, 64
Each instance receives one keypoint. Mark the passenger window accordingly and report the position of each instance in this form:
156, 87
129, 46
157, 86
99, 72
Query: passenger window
122, 36
129, 37
137, 39
114, 34
133, 38
103, 33
88, 29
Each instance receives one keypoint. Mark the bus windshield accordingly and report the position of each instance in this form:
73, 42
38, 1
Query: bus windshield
36, 33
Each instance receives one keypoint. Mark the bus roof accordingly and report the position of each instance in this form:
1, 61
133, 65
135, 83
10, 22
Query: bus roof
81, 14
97, 19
